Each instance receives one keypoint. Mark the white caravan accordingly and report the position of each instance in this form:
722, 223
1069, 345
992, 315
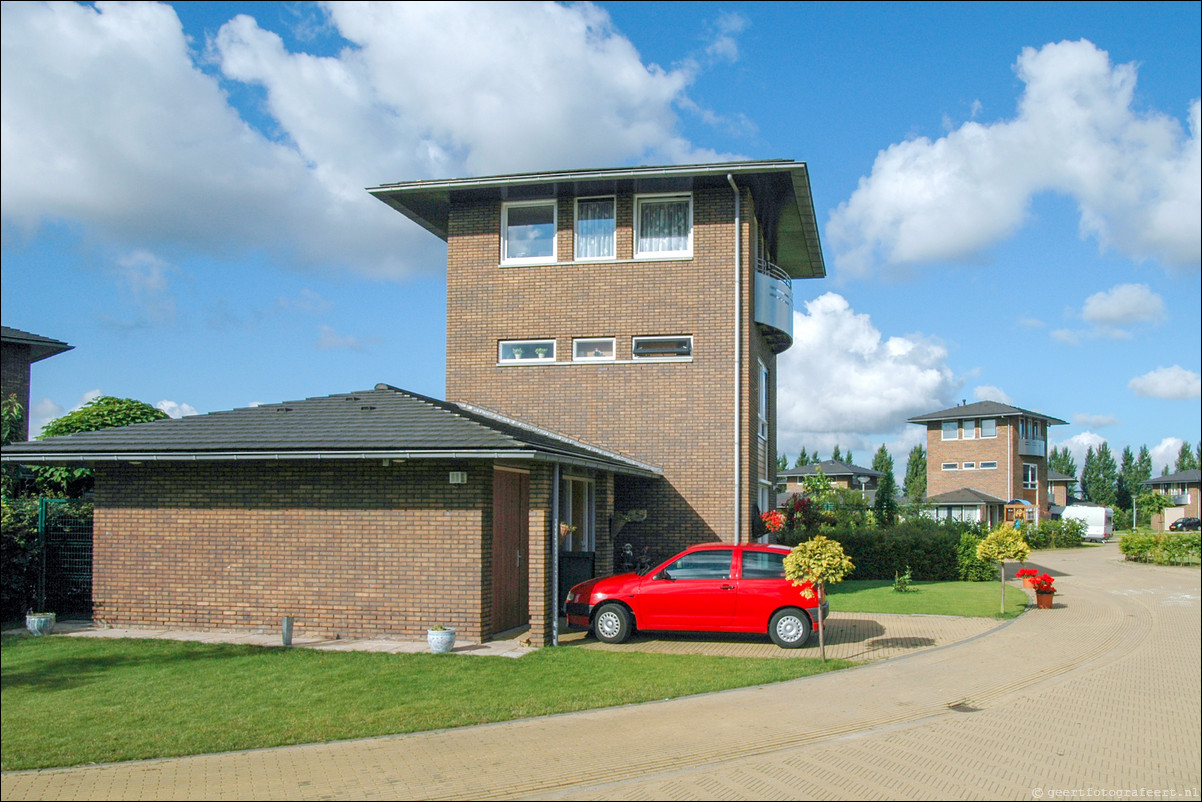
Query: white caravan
1099, 521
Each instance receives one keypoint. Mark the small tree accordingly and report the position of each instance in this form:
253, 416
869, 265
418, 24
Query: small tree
819, 561
104, 412
914, 486
1003, 543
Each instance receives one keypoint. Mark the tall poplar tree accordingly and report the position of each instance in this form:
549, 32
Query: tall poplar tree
914, 486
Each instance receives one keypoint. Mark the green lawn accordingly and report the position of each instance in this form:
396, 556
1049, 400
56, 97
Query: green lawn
973, 599
67, 701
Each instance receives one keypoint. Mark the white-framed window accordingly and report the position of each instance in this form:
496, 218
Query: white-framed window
577, 514
951, 430
988, 465
763, 400
1030, 476
593, 349
950, 466
663, 226
662, 347
968, 430
525, 351
596, 227
528, 232
969, 466
988, 427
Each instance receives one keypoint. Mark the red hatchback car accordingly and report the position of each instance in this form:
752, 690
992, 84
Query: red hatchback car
712, 587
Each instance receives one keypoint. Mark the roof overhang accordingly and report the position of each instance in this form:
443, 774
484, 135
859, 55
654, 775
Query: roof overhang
781, 188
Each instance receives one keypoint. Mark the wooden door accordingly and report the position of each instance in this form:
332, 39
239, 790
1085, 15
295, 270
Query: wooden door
510, 535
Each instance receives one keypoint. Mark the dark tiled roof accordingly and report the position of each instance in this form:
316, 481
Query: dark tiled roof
1057, 476
39, 347
982, 409
830, 468
964, 495
385, 421
1190, 477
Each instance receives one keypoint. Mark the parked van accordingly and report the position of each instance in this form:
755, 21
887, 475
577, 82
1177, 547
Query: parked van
1099, 521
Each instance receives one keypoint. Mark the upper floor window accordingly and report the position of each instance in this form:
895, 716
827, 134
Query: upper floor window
661, 347
526, 351
596, 349
951, 429
968, 429
950, 466
763, 401
595, 228
1030, 476
663, 226
988, 427
988, 465
528, 232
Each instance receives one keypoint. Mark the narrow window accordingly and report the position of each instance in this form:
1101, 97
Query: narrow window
1030, 476
595, 228
950, 466
988, 465
662, 347
528, 232
663, 226
526, 351
596, 349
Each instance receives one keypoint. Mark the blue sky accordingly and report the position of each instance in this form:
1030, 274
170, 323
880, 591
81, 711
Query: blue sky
1009, 193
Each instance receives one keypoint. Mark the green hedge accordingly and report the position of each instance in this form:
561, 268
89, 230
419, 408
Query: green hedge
20, 555
1163, 548
934, 551
1062, 534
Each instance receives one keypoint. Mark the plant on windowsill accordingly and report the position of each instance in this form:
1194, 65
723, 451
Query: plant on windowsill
440, 638
540, 352
517, 353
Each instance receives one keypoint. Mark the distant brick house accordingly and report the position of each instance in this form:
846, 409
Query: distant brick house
839, 475
18, 351
611, 349
987, 462
1183, 490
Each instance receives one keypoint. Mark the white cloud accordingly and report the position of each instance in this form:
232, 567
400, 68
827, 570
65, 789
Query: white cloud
1121, 306
1066, 337
109, 122
328, 339
41, 413
988, 392
1164, 455
841, 379
1094, 421
1135, 176
175, 409
1079, 444
1174, 384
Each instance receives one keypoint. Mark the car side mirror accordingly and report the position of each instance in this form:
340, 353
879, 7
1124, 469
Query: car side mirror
663, 574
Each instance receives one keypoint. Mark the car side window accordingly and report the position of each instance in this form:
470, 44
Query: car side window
763, 565
702, 565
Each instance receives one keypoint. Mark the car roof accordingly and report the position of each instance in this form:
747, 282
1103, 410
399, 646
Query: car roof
740, 546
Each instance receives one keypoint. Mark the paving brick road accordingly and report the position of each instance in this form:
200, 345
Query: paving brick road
1097, 698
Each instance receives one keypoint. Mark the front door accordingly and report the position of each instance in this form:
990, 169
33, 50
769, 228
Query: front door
510, 535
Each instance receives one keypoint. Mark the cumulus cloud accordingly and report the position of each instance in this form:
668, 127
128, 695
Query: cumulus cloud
1174, 384
1094, 421
842, 377
1079, 444
175, 409
988, 392
1135, 176
110, 122
1121, 306
1164, 455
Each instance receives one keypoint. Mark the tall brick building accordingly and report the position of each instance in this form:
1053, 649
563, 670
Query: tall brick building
611, 377
988, 462
20, 350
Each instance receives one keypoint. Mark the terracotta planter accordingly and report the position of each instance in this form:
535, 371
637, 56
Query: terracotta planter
1044, 600
1028, 582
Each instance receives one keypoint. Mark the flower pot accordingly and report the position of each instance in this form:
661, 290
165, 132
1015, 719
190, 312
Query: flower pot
1028, 582
440, 640
1044, 600
40, 623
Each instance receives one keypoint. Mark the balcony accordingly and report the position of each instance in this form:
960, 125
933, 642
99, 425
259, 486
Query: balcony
1032, 448
774, 304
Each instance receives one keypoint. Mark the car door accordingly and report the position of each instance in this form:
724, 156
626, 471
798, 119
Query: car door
694, 592
762, 589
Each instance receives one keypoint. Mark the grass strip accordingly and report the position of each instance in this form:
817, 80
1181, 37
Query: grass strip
971, 599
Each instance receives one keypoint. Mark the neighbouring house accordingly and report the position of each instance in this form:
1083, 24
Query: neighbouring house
18, 351
1183, 489
1060, 491
611, 373
987, 462
839, 475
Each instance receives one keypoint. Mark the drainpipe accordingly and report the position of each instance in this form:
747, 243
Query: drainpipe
555, 555
738, 362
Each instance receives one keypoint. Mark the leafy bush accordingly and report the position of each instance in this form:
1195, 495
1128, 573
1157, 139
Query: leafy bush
1062, 534
928, 547
20, 555
1162, 548
972, 568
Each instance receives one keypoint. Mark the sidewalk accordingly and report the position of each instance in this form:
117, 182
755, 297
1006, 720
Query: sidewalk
1100, 692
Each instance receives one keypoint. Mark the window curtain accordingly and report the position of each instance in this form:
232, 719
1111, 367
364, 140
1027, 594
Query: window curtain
595, 229
663, 226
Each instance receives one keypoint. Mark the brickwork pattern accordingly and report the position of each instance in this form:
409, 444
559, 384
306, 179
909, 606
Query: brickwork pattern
14, 379
1005, 482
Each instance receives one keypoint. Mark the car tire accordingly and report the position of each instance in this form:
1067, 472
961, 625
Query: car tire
790, 628
612, 623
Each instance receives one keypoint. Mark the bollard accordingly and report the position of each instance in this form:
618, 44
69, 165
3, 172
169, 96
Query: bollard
287, 630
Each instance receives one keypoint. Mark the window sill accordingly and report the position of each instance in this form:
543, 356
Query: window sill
552, 363
579, 262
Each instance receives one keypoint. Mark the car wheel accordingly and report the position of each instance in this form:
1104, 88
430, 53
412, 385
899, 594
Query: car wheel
612, 624
790, 628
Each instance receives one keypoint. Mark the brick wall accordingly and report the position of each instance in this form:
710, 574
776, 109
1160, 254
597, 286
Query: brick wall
1004, 482
351, 549
14, 365
676, 415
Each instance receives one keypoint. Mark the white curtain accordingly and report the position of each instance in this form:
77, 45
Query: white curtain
663, 226
595, 229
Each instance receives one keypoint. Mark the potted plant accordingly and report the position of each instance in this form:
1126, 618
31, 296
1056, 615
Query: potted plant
40, 623
1045, 589
1027, 575
517, 353
440, 638
540, 352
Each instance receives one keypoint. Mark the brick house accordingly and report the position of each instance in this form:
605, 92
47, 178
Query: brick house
988, 462
620, 326
1183, 489
840, 475
18, 351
